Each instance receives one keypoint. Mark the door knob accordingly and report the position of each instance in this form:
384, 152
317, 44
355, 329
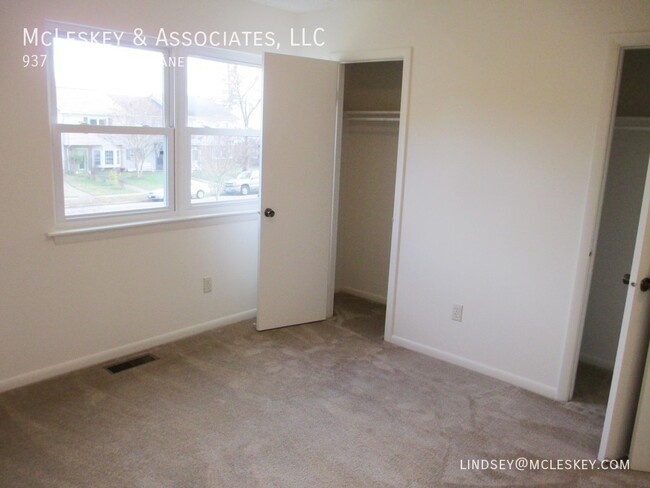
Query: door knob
269, 212
645, 284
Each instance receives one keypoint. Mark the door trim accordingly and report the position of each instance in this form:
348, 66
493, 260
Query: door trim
404, 55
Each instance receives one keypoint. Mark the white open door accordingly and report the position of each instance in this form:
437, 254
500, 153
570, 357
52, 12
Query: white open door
298, 161
632, 346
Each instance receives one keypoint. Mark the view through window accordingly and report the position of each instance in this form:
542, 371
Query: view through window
223, 118
111, 117
118, 135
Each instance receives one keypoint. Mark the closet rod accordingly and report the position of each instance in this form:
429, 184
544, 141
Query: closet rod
375, 119
370, 112
631, 127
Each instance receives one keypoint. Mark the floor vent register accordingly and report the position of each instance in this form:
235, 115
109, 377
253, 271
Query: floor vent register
131, 363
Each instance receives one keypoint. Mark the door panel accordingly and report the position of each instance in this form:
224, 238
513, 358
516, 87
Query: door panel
298, 160
632, 347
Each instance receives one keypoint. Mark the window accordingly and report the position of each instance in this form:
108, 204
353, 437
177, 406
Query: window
152, 155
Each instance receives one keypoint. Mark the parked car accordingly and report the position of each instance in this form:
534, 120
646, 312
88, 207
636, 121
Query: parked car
245, 183
157, 195
199, 189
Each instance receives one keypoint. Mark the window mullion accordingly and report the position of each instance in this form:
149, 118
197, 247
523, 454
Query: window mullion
182, 170
113, 129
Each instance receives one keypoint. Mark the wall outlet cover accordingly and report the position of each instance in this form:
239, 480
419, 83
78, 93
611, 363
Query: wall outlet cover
457, 313
207, 284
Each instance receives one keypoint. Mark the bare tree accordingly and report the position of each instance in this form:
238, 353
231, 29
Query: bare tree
215, 169
138, 148
243, 93
234, 153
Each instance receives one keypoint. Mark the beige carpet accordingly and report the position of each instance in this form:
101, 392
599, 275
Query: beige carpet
321, 405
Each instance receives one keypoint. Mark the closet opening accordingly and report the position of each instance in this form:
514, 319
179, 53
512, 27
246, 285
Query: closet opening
369, 142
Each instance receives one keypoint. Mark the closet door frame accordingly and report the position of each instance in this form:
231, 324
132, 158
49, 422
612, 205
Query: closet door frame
403, 55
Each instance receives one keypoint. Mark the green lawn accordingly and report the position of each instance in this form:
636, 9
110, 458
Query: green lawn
108, 183
96, 184
149, 180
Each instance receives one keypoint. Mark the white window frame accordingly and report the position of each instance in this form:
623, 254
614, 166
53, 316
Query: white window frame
178, 205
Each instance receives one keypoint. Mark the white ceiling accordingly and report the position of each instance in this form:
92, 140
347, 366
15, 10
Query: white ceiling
301, 6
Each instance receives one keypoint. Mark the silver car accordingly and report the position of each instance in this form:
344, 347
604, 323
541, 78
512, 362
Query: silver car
245, 183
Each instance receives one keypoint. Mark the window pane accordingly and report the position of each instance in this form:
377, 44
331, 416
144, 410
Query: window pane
223, 95
225, 168
102, 84
113, 172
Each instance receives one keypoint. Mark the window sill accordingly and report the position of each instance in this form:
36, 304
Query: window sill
68, 236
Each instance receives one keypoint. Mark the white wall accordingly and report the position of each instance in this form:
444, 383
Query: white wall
65, 306
507, 101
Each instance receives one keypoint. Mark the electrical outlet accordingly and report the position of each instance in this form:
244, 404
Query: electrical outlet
207, 284
457, 313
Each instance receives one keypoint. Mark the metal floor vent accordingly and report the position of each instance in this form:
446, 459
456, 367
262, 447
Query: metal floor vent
131, 363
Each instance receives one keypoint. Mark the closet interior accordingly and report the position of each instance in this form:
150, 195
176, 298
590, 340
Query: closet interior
369, 143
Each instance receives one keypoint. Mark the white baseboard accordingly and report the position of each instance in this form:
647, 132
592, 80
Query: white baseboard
598, 362
362, 294
520, 381
103, 356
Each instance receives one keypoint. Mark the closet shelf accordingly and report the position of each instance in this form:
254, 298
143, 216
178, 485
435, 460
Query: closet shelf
372, 115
